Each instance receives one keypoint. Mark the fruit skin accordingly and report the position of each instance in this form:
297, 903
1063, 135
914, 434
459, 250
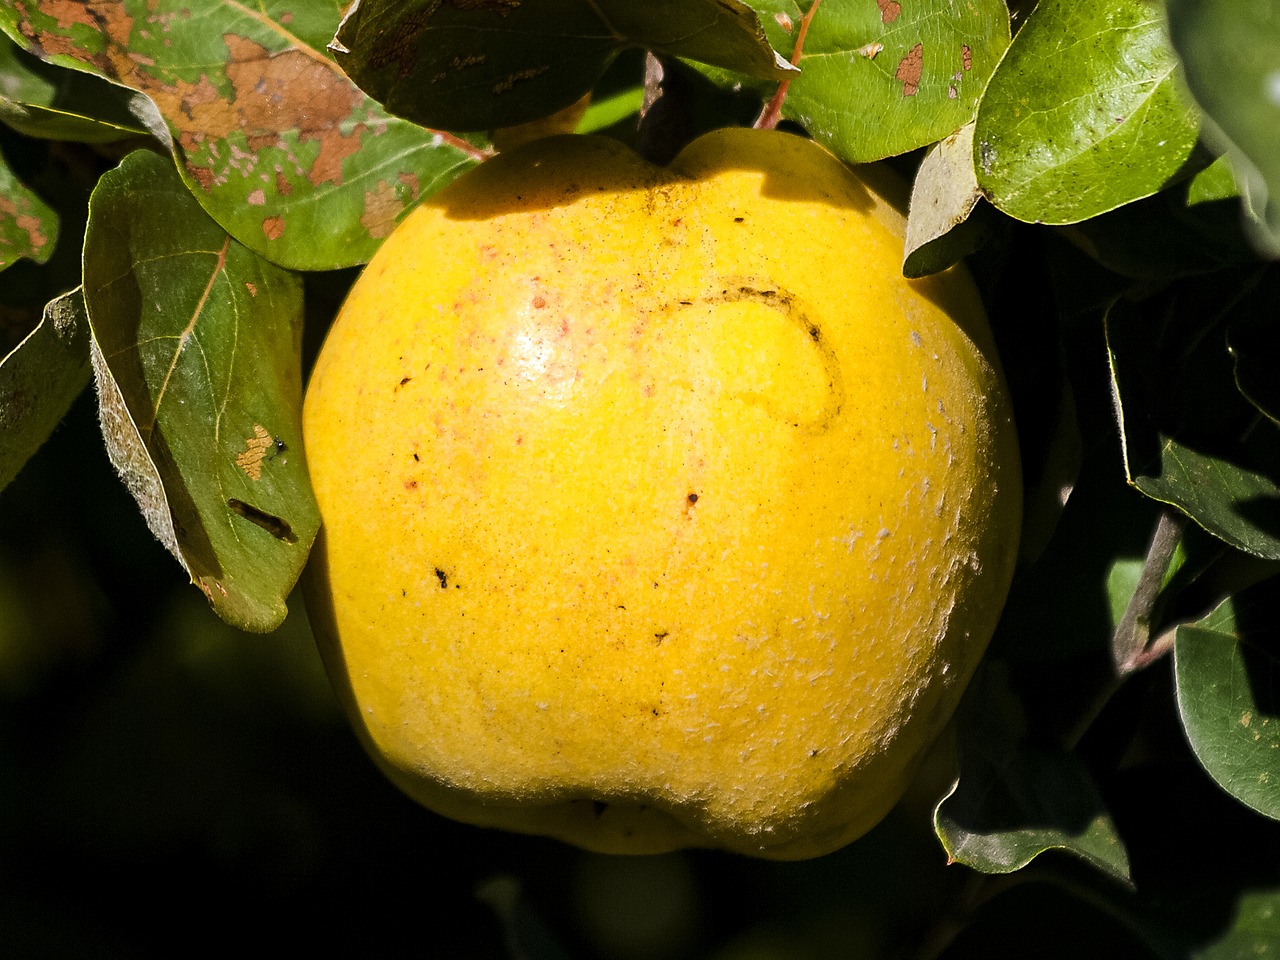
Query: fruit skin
659, 509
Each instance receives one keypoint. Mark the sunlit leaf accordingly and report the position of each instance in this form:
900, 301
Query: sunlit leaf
476, 66
1231, 56
1014, 800
197, 344
1190, 438
39, 379
28, 226
276, 143
1085, 112
1227, 668
880, 78
59, 104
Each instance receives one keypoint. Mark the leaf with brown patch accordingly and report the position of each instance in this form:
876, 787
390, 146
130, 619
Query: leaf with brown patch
28, 226
879, 79
265, 126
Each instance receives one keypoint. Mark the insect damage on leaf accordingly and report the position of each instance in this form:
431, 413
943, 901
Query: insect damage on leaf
380, 208
260, 99
256, 447
276, 526
889, 10
910, 69
28, 224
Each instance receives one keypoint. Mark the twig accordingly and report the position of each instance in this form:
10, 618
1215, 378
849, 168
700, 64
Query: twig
772, 111
1130, 643
470, 149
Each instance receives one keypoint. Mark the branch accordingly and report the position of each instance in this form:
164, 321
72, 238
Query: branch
772, 111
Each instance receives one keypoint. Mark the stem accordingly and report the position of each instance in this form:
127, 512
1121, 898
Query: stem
772, 111
1130, 641
470, 149
1131, 646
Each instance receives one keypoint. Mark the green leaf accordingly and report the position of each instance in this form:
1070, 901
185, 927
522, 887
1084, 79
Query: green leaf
1190, 438
28, 226
1015, 800
940, 230
53, 103
275, 142
479, 66
39, 379
1231, 56
196, 354
1227, 669
1254, 930
1084, 113
879, 79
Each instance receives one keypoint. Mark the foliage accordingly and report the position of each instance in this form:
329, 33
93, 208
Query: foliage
180, 183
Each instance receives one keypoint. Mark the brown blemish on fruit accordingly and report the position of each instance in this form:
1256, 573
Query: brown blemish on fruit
443, 578
910, 69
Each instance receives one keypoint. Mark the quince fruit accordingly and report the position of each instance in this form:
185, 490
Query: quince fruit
659, 509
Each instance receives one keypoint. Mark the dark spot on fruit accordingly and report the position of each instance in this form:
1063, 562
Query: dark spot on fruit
443, 578
404, 380
693, 498
814, 333
415, 457
598, 807
739, 219
539, 303
659, 637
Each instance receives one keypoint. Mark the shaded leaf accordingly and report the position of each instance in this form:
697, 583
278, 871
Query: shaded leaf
1084, 113
879, 79
276, 143
476, 66
41, 100
1227, 668
28, 226
1254, 344
39, 379
197, 344
939, 229
1231, 57
1254, 930
1015, 800
1190, 438
1180, 231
